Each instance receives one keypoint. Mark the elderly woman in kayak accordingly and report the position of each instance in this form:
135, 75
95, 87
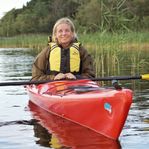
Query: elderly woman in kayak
64, 57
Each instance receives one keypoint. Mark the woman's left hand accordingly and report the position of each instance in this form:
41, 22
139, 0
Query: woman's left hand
70, 76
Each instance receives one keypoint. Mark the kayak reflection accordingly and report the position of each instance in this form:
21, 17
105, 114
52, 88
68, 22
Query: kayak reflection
56, 132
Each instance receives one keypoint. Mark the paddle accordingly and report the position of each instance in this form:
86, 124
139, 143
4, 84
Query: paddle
22, 83
143, 77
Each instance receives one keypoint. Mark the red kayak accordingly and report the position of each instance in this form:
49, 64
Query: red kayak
103, 110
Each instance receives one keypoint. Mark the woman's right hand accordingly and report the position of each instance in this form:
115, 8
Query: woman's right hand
60, 76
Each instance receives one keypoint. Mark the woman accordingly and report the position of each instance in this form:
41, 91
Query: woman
64, 58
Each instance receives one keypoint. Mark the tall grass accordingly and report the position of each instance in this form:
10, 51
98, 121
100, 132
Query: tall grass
91, 41
34, 41
108, 50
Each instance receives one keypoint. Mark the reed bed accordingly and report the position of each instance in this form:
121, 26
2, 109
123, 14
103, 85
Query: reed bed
106, 40
112, 53
33, 41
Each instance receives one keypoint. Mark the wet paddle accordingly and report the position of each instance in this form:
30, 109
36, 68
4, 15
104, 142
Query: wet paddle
142, 77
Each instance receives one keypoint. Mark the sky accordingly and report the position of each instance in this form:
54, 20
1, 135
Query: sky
7, 5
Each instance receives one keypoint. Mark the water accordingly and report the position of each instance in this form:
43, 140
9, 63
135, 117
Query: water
19, 127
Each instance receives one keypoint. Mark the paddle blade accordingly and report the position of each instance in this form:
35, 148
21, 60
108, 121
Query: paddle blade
145, 77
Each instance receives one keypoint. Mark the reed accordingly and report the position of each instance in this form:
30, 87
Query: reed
108, 50
33, 41
106, 40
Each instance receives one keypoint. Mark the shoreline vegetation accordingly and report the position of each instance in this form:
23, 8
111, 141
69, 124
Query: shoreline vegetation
123, 41
111, 52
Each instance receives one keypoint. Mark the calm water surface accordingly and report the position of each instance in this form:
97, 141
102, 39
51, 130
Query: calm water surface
20, 129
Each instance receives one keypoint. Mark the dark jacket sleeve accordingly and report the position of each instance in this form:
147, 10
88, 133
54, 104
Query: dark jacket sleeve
87, 68
40, 65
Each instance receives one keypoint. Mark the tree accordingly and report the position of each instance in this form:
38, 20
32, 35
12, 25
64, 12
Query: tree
89, 15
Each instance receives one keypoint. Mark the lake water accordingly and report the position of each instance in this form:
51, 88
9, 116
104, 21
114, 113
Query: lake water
20, 129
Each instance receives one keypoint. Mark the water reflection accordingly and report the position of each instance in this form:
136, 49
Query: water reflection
63, 133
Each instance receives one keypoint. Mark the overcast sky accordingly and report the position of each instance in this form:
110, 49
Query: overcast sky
7, 5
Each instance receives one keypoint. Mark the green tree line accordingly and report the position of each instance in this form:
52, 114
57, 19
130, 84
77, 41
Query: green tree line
39, 16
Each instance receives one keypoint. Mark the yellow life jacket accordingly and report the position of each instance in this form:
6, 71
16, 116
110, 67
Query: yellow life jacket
55, 57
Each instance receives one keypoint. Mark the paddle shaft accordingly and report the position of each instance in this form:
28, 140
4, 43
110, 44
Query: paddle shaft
22, 83
93, 79
117, 78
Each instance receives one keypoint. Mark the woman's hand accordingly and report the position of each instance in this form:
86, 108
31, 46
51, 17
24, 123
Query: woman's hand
70, 76
60, 76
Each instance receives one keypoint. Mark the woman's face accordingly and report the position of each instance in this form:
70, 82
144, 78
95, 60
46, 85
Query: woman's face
64, 35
